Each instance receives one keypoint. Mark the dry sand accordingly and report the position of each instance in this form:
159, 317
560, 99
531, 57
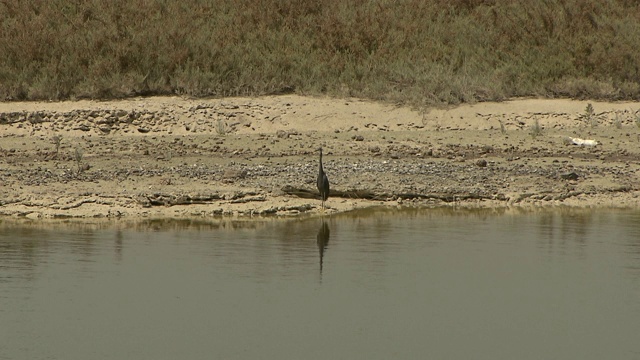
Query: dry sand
176, 157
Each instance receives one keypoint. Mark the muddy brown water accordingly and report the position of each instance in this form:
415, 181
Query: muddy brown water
375, 284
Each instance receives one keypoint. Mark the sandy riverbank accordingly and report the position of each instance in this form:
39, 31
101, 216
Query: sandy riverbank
175, 157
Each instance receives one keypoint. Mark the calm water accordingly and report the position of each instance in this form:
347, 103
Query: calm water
436, 284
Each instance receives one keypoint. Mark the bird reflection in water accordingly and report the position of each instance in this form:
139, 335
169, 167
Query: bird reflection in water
322, 241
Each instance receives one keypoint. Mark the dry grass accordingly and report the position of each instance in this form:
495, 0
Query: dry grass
408, 51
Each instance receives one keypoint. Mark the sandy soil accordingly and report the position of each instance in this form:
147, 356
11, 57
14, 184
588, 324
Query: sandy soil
176, 157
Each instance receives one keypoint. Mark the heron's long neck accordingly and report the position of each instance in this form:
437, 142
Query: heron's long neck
320, 166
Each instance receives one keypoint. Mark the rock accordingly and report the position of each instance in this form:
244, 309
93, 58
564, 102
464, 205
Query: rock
33, 215
105, 128
234, 174
569, 176
286, 134
83, 127
481, 163
486, 149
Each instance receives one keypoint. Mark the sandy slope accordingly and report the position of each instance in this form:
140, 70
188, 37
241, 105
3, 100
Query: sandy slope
174, 157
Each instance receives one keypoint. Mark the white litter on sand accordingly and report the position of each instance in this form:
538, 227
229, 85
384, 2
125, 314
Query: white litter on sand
583, 142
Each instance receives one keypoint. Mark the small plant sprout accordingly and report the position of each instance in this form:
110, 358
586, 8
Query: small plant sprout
617, 121
56, 140
425, 119
589, 110
221, 127
77, 157
536, 129
589, 114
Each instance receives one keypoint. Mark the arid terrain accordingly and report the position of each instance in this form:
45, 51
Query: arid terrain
178, 157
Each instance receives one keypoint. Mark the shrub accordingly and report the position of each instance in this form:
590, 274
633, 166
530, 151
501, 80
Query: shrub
410, 51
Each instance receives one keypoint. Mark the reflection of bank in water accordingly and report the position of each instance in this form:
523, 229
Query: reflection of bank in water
322, 241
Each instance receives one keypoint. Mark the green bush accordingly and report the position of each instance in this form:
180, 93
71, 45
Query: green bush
409, 51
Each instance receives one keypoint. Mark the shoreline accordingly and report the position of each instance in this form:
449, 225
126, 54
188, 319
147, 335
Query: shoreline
170, 157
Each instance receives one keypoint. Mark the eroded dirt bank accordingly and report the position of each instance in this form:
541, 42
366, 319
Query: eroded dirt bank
174, 157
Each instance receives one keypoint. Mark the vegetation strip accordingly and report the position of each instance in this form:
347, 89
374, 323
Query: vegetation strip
411, 51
